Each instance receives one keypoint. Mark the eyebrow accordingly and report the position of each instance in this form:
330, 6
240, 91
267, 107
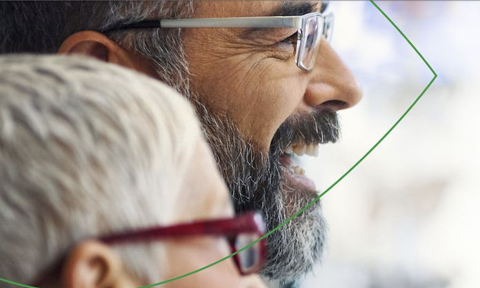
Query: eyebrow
298, 8
289, 9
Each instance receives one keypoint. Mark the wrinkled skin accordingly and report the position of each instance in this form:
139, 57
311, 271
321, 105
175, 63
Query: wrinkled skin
254, 101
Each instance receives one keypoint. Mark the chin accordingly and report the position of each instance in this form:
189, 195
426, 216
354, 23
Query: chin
297, 247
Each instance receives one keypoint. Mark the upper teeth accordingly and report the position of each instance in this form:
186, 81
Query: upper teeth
311, 150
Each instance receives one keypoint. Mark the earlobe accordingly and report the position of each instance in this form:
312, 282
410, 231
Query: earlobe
92, 264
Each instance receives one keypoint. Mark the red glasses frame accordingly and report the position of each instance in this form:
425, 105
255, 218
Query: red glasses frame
231, 228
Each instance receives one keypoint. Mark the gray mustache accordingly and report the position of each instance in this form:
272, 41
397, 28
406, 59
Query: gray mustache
318, 127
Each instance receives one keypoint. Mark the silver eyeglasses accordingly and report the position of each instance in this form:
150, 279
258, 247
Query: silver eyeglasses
310, 27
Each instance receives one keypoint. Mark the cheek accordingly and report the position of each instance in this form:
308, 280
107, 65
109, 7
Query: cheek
269, 99
185, 256
257, 95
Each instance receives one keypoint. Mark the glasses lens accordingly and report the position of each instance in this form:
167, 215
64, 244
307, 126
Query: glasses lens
328, 27
249, 258
310, 40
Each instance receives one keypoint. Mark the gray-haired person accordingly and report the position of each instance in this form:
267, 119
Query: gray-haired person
106, 181
266, 89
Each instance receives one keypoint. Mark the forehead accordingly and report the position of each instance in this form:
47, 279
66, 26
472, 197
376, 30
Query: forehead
211, 9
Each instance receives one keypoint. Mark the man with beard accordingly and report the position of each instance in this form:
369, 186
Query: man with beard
264, 88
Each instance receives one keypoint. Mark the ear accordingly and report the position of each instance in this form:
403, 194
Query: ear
93, 264
99, 46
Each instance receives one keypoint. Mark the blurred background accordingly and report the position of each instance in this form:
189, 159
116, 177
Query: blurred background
408, 216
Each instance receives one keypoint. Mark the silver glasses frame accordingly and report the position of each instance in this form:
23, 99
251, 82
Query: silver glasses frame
325, 25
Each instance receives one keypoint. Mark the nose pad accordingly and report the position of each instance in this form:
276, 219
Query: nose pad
331, 85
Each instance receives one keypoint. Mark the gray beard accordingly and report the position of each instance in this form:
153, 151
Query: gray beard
256, 183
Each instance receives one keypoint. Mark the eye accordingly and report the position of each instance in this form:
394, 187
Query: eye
291, 40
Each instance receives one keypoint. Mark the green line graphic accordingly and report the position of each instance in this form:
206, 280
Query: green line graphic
322, 194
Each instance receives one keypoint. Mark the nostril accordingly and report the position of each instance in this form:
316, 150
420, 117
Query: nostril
333, 105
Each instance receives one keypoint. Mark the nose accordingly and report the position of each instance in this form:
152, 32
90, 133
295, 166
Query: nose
331, 83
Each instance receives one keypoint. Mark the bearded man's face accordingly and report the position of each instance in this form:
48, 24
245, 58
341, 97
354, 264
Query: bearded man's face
258, 109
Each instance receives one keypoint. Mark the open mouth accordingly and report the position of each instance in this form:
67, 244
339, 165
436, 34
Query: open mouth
294, 174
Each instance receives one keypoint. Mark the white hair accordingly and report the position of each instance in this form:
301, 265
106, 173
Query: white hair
86, 149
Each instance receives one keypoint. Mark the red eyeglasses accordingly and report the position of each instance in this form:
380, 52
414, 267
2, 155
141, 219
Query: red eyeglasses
239, 231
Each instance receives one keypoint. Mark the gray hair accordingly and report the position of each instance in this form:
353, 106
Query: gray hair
41, 27
86, 149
